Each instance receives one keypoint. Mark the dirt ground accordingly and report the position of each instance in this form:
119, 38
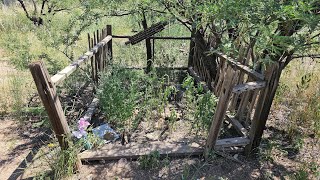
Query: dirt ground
282, 161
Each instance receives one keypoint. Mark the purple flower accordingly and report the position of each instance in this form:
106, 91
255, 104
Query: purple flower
83, 124
79, 134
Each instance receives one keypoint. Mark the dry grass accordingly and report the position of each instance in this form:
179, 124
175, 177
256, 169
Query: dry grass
299, 92
15, 86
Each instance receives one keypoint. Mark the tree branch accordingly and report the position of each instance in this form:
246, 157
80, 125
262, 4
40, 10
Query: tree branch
24, 8
42, 6
35, 7
186, 24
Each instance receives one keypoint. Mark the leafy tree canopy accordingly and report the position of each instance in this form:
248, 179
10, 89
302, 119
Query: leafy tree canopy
271, 29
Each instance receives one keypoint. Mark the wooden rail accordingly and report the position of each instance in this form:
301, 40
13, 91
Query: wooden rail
254, 74
46, 86
134, 150
67, 71
153, 37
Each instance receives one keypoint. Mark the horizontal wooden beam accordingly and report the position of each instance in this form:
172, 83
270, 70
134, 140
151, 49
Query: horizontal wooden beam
67, 71
252, 73
153, 37
240, 88
237, 125
134, 150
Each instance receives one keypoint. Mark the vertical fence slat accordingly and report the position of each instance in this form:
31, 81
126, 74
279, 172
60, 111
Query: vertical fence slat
220, 113
104, 49
263, 107
110, 51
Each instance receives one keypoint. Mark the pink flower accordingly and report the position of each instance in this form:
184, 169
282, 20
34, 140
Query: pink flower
83, 124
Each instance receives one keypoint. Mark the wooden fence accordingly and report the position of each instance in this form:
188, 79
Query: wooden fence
100, 54
241, 90
242, 93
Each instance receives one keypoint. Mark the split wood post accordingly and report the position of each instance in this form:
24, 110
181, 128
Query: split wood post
221, 110
48, 94
51, 102
263, 107
148, 46
109, 45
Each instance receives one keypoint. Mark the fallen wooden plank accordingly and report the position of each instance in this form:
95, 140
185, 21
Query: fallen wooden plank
238, 126
67, 71
244, 68
240, 88
134, 150
225, 143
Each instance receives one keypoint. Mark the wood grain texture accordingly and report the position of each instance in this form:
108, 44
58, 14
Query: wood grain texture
134, 150
48, 94
91, 109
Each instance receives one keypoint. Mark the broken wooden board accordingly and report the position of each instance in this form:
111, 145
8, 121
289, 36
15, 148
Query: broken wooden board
237, 125
240, 88
230, 142
134, 150
147, 33
198, 79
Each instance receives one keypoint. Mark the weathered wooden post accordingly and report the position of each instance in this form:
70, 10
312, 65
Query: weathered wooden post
109, 44
148, 45
48, 94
